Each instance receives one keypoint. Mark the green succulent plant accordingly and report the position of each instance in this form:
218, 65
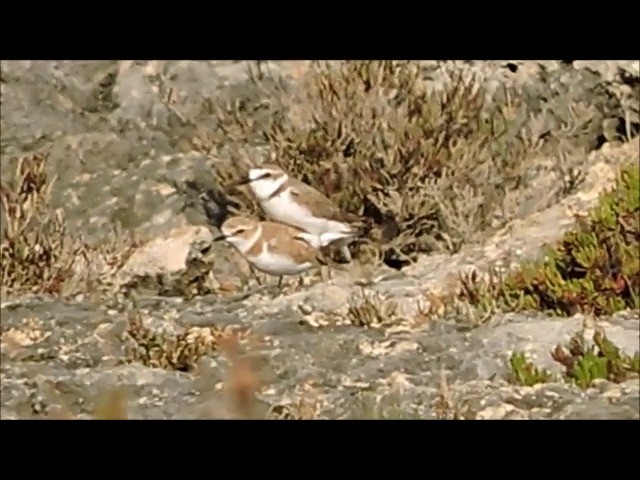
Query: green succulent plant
593, 269
601, 360
524, 372
582, 363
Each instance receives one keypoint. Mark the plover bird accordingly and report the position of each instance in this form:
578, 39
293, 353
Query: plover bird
292, 202
273, 248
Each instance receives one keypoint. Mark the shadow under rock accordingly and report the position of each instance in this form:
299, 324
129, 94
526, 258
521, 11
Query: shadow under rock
209, 200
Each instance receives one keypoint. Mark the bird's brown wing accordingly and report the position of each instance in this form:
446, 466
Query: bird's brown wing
321, 203
283, 240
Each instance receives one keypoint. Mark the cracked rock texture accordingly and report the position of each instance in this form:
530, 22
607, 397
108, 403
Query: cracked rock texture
118, 147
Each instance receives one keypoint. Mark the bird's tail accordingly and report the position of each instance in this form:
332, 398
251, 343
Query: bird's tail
322, 240
321, 244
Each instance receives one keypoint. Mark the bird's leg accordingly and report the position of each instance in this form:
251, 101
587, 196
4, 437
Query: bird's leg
255, 275
344, 251
274, 288
327, 263
325, 273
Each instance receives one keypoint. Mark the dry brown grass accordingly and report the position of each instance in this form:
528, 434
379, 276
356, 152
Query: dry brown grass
448, 406
159, 349
37, 251
443, 165
371, 309
300, 409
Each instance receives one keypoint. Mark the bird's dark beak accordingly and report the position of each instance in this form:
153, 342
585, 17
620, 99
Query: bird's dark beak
245, 181
220, 238
238, 183
242, 181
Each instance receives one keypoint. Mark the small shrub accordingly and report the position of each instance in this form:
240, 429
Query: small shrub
163, 350
450, 406
524, 372
593, 269
585, 363
36, 251
371, 310
582, 363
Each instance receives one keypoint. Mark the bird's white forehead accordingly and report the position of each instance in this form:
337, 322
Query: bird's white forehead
256, 172
227, 229
231, 228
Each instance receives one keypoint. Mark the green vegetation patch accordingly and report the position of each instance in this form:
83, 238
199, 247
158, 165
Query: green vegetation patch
585, 363
582, 363
524, 372
594, 269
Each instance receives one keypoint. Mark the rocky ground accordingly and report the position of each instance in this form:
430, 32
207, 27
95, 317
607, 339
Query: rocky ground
121, 139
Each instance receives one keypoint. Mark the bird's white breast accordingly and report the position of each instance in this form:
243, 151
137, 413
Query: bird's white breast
275, 264
284, 208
